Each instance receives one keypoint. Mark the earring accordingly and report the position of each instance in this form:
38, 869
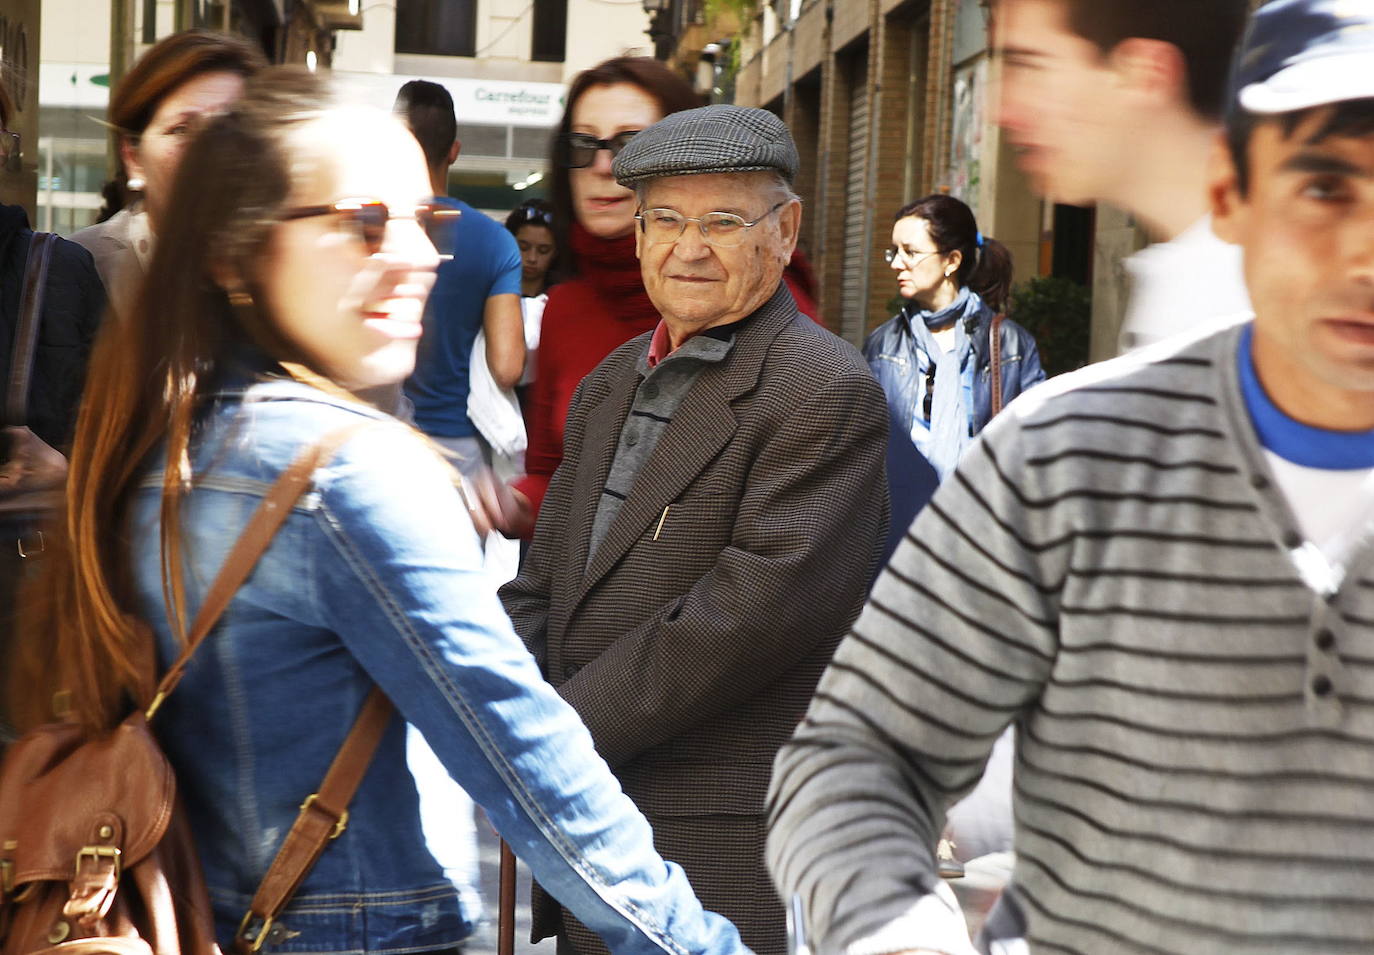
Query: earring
135, 184
240, 297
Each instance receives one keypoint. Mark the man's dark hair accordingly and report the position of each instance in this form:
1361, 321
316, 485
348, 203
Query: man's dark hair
1207, 33
1351, 118
427, 109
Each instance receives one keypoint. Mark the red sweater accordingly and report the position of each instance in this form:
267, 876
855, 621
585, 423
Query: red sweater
585, 320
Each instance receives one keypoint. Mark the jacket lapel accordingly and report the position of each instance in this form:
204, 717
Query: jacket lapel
599, 443
701, 427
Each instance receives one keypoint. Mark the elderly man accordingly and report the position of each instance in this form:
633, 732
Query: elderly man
717, 516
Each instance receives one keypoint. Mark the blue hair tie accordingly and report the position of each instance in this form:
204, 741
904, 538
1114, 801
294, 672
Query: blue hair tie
980, 240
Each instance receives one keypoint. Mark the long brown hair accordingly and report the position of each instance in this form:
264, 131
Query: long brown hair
166, 66
670, 91
150, 374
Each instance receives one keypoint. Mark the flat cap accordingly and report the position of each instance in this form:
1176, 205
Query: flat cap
711, 139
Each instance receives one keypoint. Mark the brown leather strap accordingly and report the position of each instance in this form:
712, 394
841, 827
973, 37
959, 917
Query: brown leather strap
251, 545
26, 331
323, 818
995, 355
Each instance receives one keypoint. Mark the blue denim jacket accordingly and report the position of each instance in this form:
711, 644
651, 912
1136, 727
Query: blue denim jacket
900, 353
376, 576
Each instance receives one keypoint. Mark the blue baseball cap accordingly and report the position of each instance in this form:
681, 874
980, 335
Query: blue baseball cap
1298, 54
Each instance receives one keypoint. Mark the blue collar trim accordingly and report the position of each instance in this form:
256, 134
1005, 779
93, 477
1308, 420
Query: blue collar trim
1291, 440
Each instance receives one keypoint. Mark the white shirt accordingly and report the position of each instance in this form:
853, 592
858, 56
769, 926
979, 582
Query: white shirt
1190, 285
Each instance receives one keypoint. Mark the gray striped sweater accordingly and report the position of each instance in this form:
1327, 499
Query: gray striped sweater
1112, 569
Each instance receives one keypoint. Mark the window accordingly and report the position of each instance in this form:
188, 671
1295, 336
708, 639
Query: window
550, 31
441, 27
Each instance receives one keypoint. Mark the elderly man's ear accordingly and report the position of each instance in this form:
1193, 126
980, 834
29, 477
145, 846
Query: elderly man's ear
789, 227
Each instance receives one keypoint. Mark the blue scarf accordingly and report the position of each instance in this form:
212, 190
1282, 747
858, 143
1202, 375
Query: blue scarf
949, 411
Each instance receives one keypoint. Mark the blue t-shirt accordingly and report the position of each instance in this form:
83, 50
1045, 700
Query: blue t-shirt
486, 262
1292, 440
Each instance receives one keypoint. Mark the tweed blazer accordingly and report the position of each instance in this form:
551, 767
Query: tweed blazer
692, 641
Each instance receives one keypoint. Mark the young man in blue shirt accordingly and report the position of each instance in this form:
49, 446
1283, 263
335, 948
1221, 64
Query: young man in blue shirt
477, 290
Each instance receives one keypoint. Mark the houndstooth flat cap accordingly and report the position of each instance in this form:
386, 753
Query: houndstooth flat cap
708, 140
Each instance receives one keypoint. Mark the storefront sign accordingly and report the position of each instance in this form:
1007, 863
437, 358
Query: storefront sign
484, 102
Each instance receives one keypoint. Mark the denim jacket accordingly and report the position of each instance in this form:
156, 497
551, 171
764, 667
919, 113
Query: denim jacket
902, 350
376, 576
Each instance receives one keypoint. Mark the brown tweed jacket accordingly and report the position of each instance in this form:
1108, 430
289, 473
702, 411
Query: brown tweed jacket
693, 641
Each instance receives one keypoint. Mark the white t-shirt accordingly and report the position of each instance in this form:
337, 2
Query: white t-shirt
1335, 511
1192, 284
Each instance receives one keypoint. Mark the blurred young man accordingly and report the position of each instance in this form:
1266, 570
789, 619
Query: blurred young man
1161, 569
1120, 101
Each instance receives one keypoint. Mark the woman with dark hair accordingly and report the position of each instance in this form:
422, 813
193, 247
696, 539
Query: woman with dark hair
934, 358
160, 102
531, 223
300, 278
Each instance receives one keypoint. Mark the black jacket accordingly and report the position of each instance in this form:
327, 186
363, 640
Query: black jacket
72, 310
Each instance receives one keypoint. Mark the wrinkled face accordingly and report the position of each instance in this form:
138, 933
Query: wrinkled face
921, 268
1307, 229
155, 157
1056, 102
603, 207
697, 285
355, 313
536, 250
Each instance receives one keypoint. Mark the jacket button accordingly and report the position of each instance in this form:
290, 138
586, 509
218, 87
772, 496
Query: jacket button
58, 933
1326, 640
1322, 686
632, 438
1259, 482
570, 671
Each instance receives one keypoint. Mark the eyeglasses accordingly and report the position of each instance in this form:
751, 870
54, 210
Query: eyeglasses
370, 216
582, 148
892, 254
9, 148
724, 230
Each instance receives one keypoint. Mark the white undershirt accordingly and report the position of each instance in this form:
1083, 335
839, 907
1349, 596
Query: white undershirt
1335, 510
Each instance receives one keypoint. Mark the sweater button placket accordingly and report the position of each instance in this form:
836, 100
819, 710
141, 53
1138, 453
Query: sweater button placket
1322, 676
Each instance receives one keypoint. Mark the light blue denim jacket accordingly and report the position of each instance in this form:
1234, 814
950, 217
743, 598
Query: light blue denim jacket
376, 577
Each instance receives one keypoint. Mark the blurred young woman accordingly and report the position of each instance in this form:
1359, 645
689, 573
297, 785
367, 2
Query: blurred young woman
302, 275
157, 106
531, 223
934, 357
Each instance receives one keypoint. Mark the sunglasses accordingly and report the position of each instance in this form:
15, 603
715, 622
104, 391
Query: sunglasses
531, 215
368, 217
582, 148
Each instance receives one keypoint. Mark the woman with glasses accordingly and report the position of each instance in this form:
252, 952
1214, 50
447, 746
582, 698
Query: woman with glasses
934, 358
298, 279
154, 111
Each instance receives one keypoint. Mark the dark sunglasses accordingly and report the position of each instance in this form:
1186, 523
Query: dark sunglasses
370, 216
582, 148
929, 402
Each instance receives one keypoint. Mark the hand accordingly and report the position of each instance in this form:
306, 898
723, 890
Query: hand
504, 509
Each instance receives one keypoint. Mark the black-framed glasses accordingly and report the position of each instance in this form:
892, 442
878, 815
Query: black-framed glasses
722, 229
892, 254
929, 402
582, 147
369, 217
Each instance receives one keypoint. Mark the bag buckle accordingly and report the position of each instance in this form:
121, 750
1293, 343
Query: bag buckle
25, 554
258, 938
340, 824
97, 853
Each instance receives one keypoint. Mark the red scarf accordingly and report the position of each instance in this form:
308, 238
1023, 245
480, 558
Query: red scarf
610, 266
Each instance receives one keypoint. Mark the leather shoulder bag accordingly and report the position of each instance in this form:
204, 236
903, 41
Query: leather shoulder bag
96, 856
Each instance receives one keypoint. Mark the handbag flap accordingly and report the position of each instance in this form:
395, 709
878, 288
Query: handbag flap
61, 793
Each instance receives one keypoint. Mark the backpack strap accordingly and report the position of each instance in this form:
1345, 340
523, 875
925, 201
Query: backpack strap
252, 543
995, 354
35, 284
323, 818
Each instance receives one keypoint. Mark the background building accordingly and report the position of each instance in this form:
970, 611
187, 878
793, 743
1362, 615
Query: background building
507, 64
